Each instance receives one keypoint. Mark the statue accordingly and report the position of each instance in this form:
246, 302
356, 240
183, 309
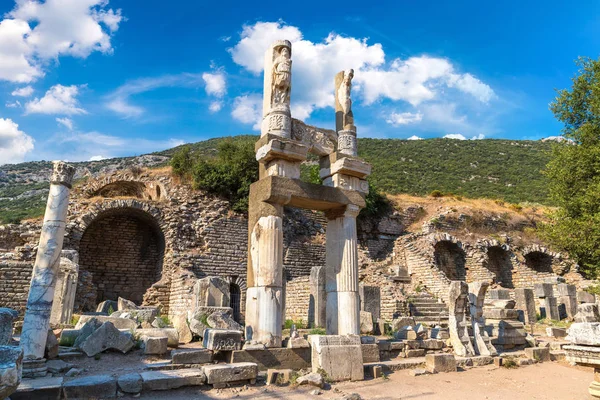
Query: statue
344, 116
282, 77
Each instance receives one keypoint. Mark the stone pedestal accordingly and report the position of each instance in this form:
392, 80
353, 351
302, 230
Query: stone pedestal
341, 275
340, 356
66, 287
41, 293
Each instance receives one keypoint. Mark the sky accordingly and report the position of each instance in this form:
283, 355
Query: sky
93, 79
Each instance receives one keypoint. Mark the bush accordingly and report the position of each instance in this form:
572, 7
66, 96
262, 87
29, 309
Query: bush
436, 194
299, 324
317, 331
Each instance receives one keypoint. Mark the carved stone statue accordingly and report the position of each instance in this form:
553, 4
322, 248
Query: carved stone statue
344, 116
282, 77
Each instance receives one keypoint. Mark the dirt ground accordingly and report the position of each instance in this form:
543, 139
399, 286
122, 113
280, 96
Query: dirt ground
546, 381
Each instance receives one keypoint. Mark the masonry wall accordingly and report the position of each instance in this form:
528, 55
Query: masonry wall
15, 277
297, 300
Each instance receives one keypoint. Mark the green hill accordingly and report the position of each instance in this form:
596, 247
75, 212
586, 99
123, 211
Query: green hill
499, 169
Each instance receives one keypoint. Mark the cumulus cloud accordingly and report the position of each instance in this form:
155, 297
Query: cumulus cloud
66, 122
458, 136
14, 144
404, 118
415, 137
248, 110
215, 83
58, 99
35, 31
415, 80
120, 100
215, 106
14, 104
97, 158
23, 92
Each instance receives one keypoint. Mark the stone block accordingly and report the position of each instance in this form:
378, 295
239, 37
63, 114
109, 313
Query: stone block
51, 350
222, 320
370, 353
396, 346
183, 329
543, 290
499, 313
539, 354
173, 379
107, 306
405, 333
211, 291
215, 339
155, 345
7, 316
366, 323
414, 353
567, 290
525, 302
584, 333
327, 350
107, 337
499, 294
551, 307
417, 372
313, 379
554, 332
503, 304
498, 361
91, 387
219, 374
130, 383
124, 304
585, 297
278, 376
48, 388
377, 371
86, 330
189, 356
399, 323
435, 363
279, 358
146, 314
370, 300
432, 344
171, 333
297, 343
480, 361
587, 312
412, 344
558, 355
11, 365
58, 366
119, 323
68, 337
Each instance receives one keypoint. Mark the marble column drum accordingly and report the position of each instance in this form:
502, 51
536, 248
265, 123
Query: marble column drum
341, 275
45, 271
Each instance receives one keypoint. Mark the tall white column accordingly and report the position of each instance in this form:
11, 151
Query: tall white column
341, 275
45, 270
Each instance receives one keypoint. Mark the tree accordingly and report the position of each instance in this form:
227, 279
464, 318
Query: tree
574, 170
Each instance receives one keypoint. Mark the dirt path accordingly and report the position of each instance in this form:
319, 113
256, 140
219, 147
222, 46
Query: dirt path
547, 381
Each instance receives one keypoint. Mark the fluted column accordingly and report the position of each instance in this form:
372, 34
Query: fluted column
341, 275
45, 270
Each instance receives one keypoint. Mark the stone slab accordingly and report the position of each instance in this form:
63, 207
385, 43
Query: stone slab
328, 350
440, 363
170, 333
91, 387
539, 354
119, 323
223, 340
41, 388
370, 353
229, 373
276, 358
195, 356
130, 383
585, 333
165, 380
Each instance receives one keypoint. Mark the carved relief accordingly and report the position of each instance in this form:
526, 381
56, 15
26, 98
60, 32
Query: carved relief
62, 174
282, 77
319, 142
343, 106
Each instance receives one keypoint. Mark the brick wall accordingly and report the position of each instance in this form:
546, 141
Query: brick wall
297, 299
15, 277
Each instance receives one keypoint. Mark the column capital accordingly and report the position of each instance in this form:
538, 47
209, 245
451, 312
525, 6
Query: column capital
62, 174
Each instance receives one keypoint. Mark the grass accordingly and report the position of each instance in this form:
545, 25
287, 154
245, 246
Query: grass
509, 363
317, 331
299, 324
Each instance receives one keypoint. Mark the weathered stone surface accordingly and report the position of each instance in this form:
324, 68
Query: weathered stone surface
370, 300
107, 306
215, 339
366, 322
173, 379
107, 337
119, 323
74, 372
406, 333
155, 345
414, 353
539, 354
328, 350
317, 296
440, 363
211, 291
57, 366
130, 383
587, 312
457, 302
51, 346
556, 332
585, 333
221, 320
68, 337
170, 333
181, 324
11, 363
297, 343
146, 314
124, 304
525, 302
585, 297
551, 308
499, 294
86, 330
91, 387
399, 323
370, 353
432, 344
503, 304
312, 379
65, 289
499, 313
7, 316
543, 290
282, 358
189, 356
226, 373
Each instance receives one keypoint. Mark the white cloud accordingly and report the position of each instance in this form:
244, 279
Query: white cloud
14, 144
58, 99
248, 110
35, 32
481, 136
67, 122
404, 118
120, 100
215, 83
415, 80
456, 136
15, 104
97, 158
23, 92
415, 137
215, 106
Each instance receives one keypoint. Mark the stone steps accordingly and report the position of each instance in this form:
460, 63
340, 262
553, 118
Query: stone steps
398, 365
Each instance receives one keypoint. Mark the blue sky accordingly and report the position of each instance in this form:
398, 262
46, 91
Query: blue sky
90, 79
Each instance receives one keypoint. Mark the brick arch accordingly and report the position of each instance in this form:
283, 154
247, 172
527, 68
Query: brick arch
125, 184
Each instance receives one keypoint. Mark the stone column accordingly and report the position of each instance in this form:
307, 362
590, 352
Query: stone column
45, 269
265, 269
317, 296
341, 274
66, 287
525, 302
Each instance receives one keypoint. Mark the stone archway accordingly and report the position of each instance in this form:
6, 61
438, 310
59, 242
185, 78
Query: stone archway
123, 248
539, 261
500, 264
451, 259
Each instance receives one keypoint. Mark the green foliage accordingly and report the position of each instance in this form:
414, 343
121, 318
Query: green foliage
164, 320
182, 161
317, 331
110, 310
509, 363
574, 171
376, 203
310, 173
299, 324
75, 319
324, 375
593, 289
204, 319
436, 193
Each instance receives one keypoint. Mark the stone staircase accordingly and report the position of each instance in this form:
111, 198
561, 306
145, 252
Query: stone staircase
426, 309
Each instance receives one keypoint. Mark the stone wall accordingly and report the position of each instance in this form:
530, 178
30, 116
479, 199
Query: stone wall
297, 300
15, 277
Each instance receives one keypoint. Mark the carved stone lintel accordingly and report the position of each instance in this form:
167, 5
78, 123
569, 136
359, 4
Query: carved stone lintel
62, 174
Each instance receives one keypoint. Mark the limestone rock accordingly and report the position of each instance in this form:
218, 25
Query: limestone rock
220, 320
130, 383
189, 356
328, 350
106, 306
154, 345
399, 323
587, 312
215, 339
297, 343
226, 373
539, 354
74, 372
57, 366
119, 323
91, 387
51, 346
198, 328
554, 332
586, 333
124, 304
211, 291
141, 315
86, 330
313, 379
440, 363
11, 363
170, 333
107, 337
366, 322
180, 323
503, 304
7, 316
165, 380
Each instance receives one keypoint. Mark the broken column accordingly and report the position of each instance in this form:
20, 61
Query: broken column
45, 269
568, 297
457, 302
317, 296
481, 341
545, 292
525, 303
66, 287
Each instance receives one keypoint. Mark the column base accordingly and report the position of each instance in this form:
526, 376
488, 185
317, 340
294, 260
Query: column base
263, 315
35, 368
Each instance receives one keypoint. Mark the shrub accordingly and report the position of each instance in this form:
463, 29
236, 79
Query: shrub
317, 331
436, 193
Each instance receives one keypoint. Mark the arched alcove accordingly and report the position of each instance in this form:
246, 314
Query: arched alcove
500, 264
451, 260
123, 248
539, 261
235, 298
